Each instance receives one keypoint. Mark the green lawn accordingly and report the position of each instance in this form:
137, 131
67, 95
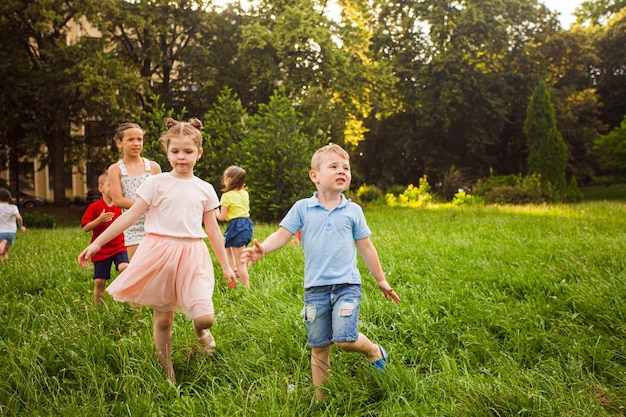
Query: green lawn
505, 311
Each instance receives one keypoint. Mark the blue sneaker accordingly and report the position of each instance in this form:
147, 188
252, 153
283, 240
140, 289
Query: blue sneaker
382, 362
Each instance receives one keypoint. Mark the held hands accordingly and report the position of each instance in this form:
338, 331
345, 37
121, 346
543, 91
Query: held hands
83, 258
388, 291
252, 254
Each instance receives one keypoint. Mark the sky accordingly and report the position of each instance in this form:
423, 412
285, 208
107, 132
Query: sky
566, 8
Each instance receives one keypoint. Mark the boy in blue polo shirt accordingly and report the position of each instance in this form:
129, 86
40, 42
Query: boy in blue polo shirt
331, 226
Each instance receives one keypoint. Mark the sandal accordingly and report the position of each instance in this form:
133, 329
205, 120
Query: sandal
207, 342
380, 364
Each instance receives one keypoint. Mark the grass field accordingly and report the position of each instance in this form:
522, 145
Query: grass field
506, 311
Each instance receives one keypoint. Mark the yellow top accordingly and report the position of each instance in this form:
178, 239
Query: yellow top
238, 203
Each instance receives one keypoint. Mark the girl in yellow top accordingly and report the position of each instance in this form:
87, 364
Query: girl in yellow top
235, 209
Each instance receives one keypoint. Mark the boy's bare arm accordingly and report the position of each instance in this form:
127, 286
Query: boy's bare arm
273, 242
372, 261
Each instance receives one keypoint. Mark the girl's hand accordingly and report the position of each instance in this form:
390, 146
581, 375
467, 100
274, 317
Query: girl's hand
388, 291
83, 258
231, 277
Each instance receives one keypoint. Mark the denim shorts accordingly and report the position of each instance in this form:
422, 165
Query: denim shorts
9, 237
102, 269
238, 232
331, 314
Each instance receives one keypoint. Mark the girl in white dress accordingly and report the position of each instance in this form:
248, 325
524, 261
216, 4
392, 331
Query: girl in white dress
126, 175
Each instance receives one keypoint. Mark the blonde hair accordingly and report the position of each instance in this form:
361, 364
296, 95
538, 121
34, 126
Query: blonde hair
237, 177
103, 178
174, 128
316, 160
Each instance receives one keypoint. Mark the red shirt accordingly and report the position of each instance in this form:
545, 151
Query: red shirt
115, 245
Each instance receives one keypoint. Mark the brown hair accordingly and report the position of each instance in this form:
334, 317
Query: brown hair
237, 177
316, 160
5, 195
119, 132
193, 128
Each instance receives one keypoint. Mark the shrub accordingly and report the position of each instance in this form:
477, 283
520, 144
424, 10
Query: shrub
368, 193
412, 196
484, 186
39, 220
531, 190
463, 199
572, 193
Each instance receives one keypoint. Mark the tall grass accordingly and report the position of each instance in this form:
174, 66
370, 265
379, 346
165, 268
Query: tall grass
505, 311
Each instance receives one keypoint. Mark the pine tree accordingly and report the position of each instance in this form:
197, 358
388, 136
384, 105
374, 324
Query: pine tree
547, 152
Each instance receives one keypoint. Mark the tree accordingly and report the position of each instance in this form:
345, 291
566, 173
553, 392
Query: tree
611, 71
547, 153
612, 148
59, 84
277, 157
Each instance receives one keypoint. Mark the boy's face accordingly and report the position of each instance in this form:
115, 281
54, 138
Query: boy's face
105, 188
333, 174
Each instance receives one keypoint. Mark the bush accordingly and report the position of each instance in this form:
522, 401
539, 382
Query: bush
39, 220
368, 193
532, 190
463, 199
412, 196
484, 186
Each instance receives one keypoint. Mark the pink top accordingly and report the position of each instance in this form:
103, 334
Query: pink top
176, 205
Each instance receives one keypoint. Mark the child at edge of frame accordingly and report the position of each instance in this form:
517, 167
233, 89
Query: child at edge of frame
10, 221
332, 228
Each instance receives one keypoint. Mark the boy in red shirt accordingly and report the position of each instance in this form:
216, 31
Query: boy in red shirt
97, 217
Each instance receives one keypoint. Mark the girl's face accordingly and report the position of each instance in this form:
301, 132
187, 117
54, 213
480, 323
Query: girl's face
333, 175
131, 143
182, 153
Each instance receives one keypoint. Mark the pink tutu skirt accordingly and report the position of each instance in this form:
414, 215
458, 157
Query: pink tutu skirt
168, 274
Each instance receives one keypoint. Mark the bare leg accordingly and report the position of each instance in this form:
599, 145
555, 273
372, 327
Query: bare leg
362, 345
243, 268
4, 249
320, 368
98, 290
163, 341
131, 251
201, 326
232, 261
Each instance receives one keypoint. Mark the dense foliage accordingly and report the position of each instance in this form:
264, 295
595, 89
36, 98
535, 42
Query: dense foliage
410, 87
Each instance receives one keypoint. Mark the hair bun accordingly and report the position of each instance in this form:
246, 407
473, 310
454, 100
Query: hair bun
195, 122
169, 123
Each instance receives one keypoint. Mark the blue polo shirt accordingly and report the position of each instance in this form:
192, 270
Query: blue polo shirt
328, 240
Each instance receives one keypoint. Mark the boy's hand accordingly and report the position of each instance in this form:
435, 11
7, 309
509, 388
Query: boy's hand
252, 254
105, 216
388, 291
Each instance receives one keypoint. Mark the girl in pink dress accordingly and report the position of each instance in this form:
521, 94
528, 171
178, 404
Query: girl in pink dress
173, 269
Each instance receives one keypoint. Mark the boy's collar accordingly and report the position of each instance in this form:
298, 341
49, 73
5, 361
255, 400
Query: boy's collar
314, 201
